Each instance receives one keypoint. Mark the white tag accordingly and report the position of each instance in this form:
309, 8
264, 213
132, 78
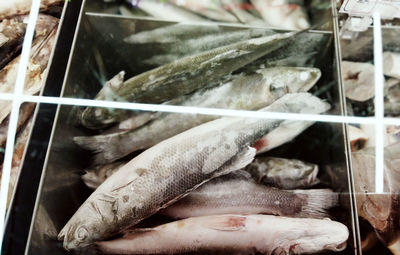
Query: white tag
388, 9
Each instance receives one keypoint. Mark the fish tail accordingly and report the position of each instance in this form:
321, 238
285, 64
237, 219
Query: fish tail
105, 147
318, 202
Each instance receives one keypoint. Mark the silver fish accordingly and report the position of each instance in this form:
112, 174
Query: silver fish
263, 234
169, 170
281, 14
97, 175
283, 173
181, 77
237, 193
249, 92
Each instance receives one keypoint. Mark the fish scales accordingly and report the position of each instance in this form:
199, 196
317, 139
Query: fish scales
182, 76
237, 193
247, 92
168, 171
264, 234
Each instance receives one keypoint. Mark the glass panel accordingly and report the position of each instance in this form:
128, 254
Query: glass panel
279, 14
319, 146
24, 127
377, 212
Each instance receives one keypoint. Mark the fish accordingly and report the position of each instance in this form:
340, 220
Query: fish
247, 92
9, 9
264, 234
189, 47
357, 138
25, 113
358, 80
11, 37
230, 194
166, 172
379, 209
96, 175
284, 133
281, 14
210, 9
283, 173
181, 77
391, 64
8, 76
167, 11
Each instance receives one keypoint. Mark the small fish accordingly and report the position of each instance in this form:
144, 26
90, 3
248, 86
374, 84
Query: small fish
11, 37
181, 77
248, 92
169, 170
391, 64
281, 14
207, 8
167, 11
283, 173
264, 234
358, 80
230, 194
98, 174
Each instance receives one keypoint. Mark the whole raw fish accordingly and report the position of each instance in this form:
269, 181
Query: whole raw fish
181, 76
237, 193
283, 173
248, 92
97, 175
263, 234
169, 170
281, 14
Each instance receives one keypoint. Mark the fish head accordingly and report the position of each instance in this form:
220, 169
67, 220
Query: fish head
92, 180
284, 80
96, 117
88, 225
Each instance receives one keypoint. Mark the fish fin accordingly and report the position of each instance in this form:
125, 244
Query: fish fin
318, 202
105, 147
132, 233
242, 159
227, 223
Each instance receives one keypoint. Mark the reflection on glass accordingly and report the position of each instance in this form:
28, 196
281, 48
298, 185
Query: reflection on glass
378, 212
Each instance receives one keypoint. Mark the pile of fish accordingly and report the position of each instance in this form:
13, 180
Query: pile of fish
13, 22
282, 14
201, 171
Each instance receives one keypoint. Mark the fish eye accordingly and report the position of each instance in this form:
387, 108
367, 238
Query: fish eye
278, 88
81, 233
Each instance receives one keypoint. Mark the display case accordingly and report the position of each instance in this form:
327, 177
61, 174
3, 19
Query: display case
198, 130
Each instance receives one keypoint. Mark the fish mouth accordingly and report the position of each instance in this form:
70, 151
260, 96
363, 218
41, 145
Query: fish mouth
336, 247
